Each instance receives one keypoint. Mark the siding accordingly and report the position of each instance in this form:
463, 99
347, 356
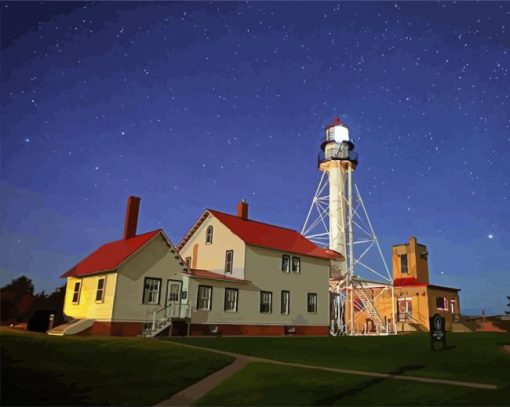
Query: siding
88, 308
154, 260
263, 269
212, 256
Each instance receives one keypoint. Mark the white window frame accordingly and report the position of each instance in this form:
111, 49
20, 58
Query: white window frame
452, 305
204, 297
285, 306
209, 235
76, 292
229, 263
101, 290
153, 288
313, 303
230, 304
266, 295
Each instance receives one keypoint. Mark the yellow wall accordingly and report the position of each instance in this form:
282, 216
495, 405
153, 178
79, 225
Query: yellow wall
433, 293
420, 308
416, 258
87, 307
154, 260
212, 256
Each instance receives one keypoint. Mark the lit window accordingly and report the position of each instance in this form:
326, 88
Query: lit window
285, 303
285, 263
229, 259
76, 292
100, 289
204, 297
296, 264
266, 302
312, 302
231, 299
209, 235
403, 264
151, 290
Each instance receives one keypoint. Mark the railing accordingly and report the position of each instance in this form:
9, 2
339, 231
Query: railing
166, 314
337, 154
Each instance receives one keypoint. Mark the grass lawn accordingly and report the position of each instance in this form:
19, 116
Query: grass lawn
475, 357
265, 384
38, 369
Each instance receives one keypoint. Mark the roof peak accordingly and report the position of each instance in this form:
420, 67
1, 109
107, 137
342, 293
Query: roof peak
252, 220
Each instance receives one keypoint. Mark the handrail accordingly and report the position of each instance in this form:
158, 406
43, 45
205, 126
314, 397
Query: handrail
169, 312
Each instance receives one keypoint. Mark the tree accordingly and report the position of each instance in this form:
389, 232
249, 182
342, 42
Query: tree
17, 299
508, 305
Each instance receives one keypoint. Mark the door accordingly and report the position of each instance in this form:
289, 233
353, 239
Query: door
173, 298
405, 309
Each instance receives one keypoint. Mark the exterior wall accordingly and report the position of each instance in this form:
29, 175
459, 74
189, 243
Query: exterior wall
154, 260
102, 328
257, 330
263, 270
433, 293
420, 307
417, 261
87, 307
212, 256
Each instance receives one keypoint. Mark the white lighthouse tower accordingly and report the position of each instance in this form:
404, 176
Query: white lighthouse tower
338, 160
362, 297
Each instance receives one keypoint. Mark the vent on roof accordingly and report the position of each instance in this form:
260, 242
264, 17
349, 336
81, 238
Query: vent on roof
133, 206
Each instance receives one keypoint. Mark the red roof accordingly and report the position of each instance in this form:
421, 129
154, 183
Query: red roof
408, 282
110, 255
335, 122
209, 275
272, 237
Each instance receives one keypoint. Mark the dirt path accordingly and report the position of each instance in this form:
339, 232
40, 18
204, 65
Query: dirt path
187, 396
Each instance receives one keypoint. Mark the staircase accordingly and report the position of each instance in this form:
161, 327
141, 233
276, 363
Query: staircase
369, 309
163, 317
71, 328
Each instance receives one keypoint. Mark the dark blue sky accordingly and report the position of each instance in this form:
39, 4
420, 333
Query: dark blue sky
195, 105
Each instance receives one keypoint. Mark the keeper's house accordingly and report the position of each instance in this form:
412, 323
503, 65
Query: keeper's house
239, 277
117, 289
252, 278
417, 299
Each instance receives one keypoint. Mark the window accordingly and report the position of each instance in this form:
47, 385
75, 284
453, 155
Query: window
100, 289
403, 264
76, 292
285, 263
405, 309
266, 302
296, 264
285, 303
204, 299
209, 235
231, 299
452, 306
229, 260
441, 303
151, 290
188, 261
312, 302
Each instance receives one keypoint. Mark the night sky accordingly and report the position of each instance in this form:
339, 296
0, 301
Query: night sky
198, 105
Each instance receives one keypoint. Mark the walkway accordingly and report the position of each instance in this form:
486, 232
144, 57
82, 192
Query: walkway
187, 396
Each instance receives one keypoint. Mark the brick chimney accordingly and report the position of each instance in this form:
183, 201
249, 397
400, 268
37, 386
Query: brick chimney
133, 205
242, 210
